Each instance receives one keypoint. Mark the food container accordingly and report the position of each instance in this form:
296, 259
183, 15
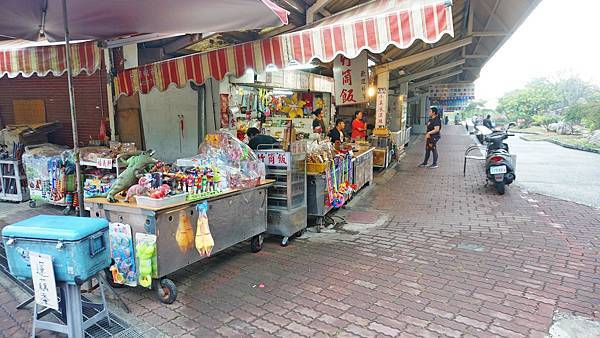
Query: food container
78, 246
145, 201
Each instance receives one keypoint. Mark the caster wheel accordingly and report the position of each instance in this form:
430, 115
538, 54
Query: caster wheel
32, 204
256, 243
285, 241
299, 233
166, 291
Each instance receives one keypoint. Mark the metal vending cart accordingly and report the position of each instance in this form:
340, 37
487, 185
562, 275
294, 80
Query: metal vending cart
286, 204
362, 164
234, 216
317, 190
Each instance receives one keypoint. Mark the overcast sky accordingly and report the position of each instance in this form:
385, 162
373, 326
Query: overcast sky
558, 36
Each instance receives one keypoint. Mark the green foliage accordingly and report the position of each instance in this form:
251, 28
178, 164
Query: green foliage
542, 101
544, 120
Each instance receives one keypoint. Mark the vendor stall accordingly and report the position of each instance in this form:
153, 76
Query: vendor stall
329, 180
165, 223
362, 166
151, 231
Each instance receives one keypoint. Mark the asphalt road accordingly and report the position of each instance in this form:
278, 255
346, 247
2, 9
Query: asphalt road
546, 168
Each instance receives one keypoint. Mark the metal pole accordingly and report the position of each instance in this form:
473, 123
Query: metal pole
73, 112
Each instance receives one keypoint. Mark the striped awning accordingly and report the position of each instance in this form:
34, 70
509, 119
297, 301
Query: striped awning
43, 60
373, 26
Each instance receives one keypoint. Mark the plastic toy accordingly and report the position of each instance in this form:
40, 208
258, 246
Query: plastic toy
146, 256
135, 165
121, 251
138, 189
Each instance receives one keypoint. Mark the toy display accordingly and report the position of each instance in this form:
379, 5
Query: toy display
204, 240
145, 252
50, 172
136, 165
121, 251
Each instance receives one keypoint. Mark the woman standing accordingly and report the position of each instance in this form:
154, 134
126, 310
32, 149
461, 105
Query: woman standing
359, 127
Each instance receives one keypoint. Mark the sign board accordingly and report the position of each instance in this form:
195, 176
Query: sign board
274, 158
380, 111
42, 275
351, 79
104, 163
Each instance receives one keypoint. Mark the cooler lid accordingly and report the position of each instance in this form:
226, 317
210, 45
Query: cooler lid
65, 228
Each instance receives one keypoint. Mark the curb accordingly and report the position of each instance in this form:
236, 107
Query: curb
565, 145
575, 147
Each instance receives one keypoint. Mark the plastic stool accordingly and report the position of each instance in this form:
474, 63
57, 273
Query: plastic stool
71, 308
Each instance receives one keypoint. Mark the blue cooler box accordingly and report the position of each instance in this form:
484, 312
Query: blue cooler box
77, 245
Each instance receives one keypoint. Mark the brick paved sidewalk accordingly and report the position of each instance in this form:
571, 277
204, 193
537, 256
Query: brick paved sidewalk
447, 257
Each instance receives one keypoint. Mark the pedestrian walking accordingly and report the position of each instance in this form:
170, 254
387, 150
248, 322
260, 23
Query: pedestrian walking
434, 127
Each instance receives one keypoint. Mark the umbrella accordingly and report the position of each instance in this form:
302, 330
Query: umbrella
63, 20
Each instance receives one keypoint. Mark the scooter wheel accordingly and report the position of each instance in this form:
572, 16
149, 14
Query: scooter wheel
500, 187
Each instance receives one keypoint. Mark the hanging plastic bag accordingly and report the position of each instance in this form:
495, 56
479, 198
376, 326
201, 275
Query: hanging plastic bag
185, 233
204, 240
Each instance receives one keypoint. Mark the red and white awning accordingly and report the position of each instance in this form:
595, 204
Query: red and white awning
43, 60
373, 26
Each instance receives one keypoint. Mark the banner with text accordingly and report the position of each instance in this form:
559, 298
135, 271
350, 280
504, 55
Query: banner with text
351, 78
380, 111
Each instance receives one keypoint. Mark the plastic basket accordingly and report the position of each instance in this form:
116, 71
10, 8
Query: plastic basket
316, 167
144, 201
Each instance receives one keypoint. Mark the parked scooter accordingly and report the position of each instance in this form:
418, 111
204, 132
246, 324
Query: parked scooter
499, 166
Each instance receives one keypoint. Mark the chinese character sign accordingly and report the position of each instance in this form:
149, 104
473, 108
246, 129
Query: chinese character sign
351, 79
380, 111
275, 159
104, 163
42, 275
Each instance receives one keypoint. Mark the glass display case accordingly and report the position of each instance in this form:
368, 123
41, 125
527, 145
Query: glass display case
286, 199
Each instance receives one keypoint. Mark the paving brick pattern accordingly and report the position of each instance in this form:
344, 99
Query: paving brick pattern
453, 259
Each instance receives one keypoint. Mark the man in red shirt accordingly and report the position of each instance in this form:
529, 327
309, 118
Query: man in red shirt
359, 127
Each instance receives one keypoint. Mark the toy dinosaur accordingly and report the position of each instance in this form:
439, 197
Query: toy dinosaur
136, 165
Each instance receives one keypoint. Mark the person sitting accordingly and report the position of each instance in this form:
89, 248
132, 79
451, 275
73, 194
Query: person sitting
487, 122
257, 139
337, 133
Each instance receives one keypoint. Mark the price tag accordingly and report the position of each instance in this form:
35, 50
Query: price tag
44, 284
104, 163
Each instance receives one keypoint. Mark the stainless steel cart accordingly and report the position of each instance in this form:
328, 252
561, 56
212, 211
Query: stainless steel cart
362, 165
286, 215
233, 217
316, 191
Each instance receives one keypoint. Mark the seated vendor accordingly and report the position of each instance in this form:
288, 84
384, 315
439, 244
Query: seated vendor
257, 139
337, 133
318, 123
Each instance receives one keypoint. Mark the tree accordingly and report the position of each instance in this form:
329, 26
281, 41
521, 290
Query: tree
586, 111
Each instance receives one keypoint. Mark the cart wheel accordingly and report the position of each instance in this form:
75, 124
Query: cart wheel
256, 243
67, 211
166, 291
299, 233
285, 241
32, 204
110, 280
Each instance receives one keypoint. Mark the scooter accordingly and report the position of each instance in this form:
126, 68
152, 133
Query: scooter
499, 165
